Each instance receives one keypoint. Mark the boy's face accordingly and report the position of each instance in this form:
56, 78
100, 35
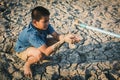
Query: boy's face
42, 23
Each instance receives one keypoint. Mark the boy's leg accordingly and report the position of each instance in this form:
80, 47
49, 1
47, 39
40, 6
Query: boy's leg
31, 55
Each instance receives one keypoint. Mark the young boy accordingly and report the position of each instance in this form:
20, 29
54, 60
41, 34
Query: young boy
32, 41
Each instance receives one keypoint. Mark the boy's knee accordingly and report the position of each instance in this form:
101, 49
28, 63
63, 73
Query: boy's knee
38, 55
35, 53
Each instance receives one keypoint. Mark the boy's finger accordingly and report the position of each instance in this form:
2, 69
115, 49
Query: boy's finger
77, 38
72, 37
73, 41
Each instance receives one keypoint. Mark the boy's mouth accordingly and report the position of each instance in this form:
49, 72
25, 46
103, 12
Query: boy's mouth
45, 27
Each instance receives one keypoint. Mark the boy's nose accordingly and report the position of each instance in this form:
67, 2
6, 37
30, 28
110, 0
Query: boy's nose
47, 24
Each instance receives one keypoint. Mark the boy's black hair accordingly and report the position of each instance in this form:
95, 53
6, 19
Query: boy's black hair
39, 12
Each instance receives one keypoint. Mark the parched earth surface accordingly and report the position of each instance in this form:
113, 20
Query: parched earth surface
97, 55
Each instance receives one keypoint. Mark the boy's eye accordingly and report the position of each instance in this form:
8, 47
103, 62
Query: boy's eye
46, 21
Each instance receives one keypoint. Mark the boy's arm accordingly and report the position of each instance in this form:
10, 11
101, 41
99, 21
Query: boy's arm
57, 36
69, 38
48, 50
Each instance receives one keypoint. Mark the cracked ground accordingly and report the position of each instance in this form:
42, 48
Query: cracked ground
97, 55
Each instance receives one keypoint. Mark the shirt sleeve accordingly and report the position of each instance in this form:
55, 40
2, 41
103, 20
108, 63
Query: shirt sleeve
50, 29
36, 40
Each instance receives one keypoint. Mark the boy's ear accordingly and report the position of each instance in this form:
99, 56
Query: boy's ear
34, 22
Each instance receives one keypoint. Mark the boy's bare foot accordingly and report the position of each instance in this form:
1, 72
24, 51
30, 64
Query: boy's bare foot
27, 70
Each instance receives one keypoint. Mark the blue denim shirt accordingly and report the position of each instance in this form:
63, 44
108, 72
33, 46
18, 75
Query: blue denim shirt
31, 36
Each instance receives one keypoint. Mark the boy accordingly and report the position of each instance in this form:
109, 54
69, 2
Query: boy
31, 45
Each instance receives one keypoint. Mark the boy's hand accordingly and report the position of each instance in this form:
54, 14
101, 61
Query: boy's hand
71, 38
